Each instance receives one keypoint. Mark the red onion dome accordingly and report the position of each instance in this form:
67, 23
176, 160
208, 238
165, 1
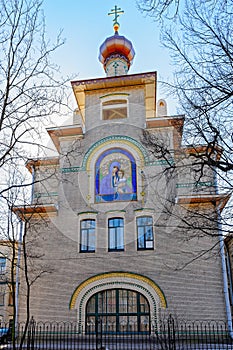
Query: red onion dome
116, 45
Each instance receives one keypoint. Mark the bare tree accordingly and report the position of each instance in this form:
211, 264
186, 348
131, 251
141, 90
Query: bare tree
30, 93
200, 42
160, 9
24, 258
29, 89
199, 37
171, 9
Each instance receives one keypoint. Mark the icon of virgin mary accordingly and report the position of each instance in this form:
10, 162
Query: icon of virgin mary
108, 185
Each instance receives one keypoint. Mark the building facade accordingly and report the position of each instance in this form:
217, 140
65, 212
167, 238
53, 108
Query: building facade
7, 267
116, 224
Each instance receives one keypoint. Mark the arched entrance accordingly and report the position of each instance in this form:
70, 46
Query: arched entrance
119, 288
118, 311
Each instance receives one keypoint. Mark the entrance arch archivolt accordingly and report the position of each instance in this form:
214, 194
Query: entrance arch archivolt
123, 280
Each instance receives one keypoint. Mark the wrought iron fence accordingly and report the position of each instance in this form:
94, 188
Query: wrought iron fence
170, 334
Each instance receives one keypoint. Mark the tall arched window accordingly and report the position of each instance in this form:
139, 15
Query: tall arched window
118, 311
87, 235
145, 237
115, 234
114, 109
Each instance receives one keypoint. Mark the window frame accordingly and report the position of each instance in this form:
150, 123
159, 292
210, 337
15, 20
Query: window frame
144, 227
87, 231
112, 102
116, 230
2, 294
117, 304
2, 265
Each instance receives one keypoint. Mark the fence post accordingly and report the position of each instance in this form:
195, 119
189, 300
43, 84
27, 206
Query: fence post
171, 333
31, 335
99, 331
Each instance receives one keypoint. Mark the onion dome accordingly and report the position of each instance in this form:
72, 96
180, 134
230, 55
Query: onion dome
116, 54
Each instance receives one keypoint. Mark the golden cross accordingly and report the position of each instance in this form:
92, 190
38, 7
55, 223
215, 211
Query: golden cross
116, 11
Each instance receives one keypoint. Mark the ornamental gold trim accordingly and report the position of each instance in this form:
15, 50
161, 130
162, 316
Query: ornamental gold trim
115, 275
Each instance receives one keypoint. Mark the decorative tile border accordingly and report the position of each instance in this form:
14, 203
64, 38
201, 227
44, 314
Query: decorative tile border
161, 162
45, 194
195, 184
118, 275
72, 169
111, 140
123, 140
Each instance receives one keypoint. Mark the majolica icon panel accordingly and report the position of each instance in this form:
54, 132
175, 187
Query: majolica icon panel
115, 176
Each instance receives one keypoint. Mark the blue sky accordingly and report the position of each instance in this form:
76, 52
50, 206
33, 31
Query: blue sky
86, 24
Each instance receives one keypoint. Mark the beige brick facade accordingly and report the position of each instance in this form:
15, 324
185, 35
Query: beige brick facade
171, 271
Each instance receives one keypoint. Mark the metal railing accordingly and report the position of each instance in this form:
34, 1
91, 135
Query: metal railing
169, 334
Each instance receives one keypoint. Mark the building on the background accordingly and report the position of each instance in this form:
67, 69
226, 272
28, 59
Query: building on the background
229, 266
108, 220
6, 300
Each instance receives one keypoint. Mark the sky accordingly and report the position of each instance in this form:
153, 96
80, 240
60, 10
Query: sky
86, 24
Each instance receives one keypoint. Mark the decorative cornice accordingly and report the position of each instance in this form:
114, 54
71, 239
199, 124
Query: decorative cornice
38, 210
53, 161
65, 131
91, 83
204, 150
146, 81
159, 122
219, 200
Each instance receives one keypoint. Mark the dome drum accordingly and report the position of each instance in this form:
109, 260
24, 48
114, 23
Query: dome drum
116, 56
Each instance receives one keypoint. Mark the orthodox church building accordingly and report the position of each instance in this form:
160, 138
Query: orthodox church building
115, 227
